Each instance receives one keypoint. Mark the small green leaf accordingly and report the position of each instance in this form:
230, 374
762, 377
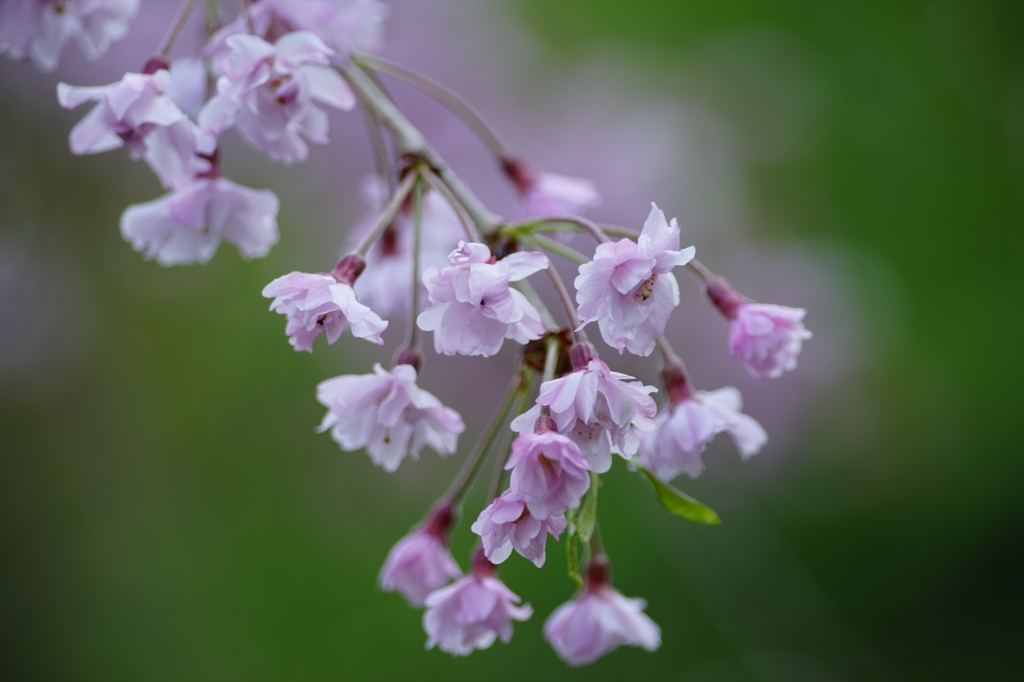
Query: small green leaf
587, 517
571, 560
680, 503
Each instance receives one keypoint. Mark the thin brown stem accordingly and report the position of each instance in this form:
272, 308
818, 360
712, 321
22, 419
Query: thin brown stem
526, 379
167, 44
411, 141
563, 295
588, 226
459, 106
467, 473
699, 269
388, 214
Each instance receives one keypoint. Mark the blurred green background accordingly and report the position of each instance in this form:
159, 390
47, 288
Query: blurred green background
168, 512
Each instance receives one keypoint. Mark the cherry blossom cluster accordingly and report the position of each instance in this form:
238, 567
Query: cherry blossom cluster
428, 251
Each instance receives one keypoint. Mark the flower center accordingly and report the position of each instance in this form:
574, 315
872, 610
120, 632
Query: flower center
646, 288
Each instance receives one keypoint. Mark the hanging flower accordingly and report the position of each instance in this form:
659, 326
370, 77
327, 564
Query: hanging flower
508, 524
474, 310
472, 612
270, 93
628, 287
187, 225
388, 414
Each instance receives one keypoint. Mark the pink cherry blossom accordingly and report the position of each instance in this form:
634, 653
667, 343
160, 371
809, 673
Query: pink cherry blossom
598, 409
599, 620
628, 287
386, 285
683, 429
420, 562
472, 612
319, 302
388, 414
549, 194
548, 473
269, 93
473, 309
126, 112
507, 524
344, 25
41, 29
187, 225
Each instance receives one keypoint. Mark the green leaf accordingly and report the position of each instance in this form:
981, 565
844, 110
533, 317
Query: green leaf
587, 517
571, 560
680, 503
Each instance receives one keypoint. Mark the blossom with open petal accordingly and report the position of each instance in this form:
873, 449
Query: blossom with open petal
766, 338
388, 414
320, 302
187, 225
682, 431
270, 92
507, 524
473, 309
420, 562
628, 287
599, 620
125, 113
600, 410
548, 473
472, 612
41, 29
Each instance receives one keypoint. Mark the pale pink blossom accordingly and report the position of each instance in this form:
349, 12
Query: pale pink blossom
766, 338
187, 225
548, 473
473, 309
270, 92
600, 410
628, 287
684, 428
344, 25
386, 285
472, 612
126, 112
507, 524
597, 621
544, 194
41, 29
388, 414
420, 562
321, 302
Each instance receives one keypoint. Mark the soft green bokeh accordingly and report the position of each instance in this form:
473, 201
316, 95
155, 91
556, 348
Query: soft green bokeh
168, 512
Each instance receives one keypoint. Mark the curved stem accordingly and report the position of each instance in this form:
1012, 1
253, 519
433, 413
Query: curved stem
550, 359
167, 44
563, 294
411, 141
389, 212
526, 378
668, 353
467, 473
459, 106
618, 231
591, 227
417, 212
380, 153
562, 250
698, 268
